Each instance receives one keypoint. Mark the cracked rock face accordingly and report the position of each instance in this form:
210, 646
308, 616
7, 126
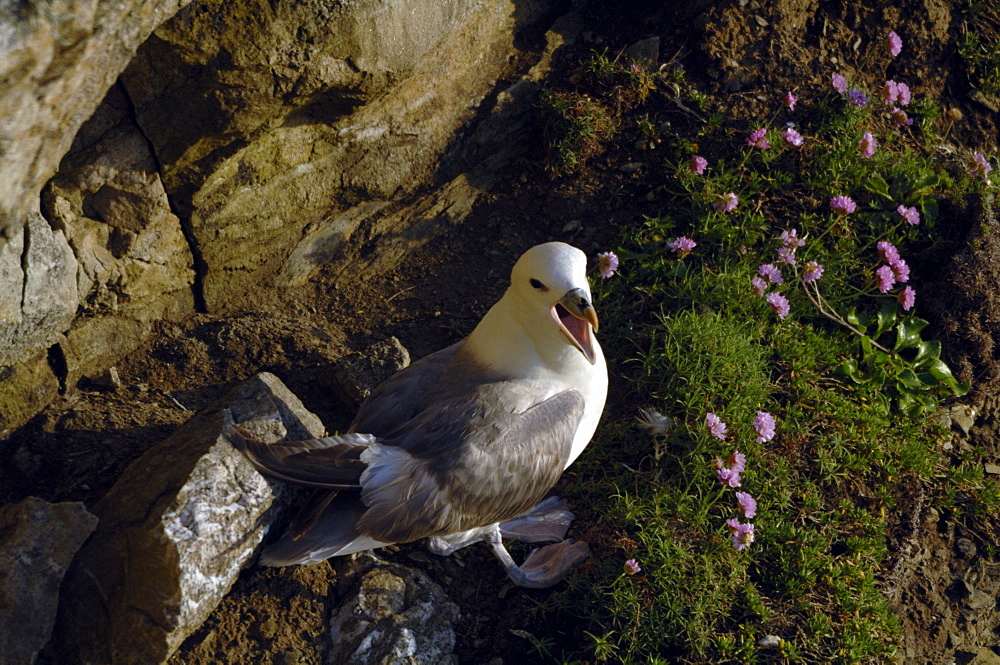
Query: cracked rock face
238, 147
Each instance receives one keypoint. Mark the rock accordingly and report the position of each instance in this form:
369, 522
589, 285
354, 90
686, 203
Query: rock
358, 374
271, 124
37, 542
645, 52
393, 615
25, 389
991, 468
57, 60
175, 531
45, 290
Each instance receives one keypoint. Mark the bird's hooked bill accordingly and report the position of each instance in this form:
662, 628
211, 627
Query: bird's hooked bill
573, 312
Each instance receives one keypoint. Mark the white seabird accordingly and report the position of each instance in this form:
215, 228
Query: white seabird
463, 445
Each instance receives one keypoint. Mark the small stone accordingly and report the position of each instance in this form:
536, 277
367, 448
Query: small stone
572, 225
991, 468
965, 547
964, 416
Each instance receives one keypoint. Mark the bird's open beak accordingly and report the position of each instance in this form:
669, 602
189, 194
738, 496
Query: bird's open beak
573, 314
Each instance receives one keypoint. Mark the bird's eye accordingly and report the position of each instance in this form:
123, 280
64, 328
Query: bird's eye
535, 284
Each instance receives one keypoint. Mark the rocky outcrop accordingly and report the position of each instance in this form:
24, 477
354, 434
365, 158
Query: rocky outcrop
392, 615
175, 531
246, 145
37, 542
57, 61
272, 121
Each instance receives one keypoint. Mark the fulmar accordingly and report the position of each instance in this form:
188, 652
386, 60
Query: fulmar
464, 444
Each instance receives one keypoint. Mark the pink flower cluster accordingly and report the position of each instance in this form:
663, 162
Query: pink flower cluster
769, 273
698, 165
909, 214
792, 137
607, 264
727, 202
867, 145
982, 165
844, 205
896, 270
758, 139
682, 246
728, 474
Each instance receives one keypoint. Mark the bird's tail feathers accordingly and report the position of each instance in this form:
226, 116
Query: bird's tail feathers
332, 462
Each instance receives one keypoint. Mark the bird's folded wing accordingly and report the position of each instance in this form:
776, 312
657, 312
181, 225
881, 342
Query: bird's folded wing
333, 462
468, 465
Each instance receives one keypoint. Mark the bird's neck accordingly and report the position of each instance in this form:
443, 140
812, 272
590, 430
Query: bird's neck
507, 343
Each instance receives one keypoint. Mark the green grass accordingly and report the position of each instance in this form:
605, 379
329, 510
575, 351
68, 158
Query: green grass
851, 388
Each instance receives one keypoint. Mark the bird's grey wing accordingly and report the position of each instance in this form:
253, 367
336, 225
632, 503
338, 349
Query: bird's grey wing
468, 464
332, 462
405, 394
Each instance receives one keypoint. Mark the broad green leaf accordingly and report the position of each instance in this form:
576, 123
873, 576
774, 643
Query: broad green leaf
908, 380
927, 352
929, 209
886, 319
849, 368
876, 184
908, 333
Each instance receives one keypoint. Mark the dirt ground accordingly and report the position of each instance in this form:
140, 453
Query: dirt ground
743, 54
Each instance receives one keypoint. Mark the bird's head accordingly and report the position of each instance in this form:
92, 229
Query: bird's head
550, 283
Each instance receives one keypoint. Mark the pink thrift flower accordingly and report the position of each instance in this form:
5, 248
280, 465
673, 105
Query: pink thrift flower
742, 533
857, 98
867, 145
698, 164
907, 297
909, 214
790, 101
890, 92
790, 238
715, 426
682, 246
888, 251
779, 304
786, 255
771, 273
607, 264
812, 272
764, 424
843, 204
979, 163
737, 461
899, 117
886, 278
904, 94
748, 505
759, 285
758, 139
728, 477
895, 43
727, 202
900, 270
792, 137
632, 567
839, 83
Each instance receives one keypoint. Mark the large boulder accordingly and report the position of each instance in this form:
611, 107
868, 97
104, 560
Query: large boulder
37, 543
175, 531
